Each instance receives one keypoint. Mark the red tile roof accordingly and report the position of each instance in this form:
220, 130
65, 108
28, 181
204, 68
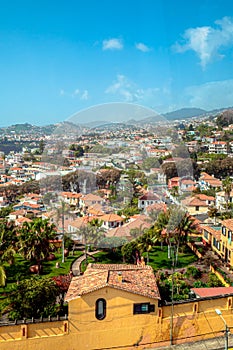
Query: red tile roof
204, 197
111, 218
135, 279
125, 230
212, 231
210, 292
149, 196
228, 223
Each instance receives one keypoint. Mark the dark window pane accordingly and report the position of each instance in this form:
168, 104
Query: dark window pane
100, 309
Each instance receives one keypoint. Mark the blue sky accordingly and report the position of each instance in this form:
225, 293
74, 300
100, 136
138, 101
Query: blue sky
60, 57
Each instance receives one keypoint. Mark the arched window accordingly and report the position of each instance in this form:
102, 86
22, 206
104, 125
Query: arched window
100, 309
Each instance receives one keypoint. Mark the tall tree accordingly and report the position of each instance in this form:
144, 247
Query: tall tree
179, 227
159, 227
8, 241
212, 213
227, 186
35, 297
34, 240
146, 242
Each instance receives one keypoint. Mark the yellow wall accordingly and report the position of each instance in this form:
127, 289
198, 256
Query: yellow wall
193, 321
228, 245
192, 210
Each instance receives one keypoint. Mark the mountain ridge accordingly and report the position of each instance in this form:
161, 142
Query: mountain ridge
180, 114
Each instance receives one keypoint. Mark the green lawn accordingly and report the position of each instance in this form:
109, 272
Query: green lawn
158, 258
20, 269
108, 257
103, 257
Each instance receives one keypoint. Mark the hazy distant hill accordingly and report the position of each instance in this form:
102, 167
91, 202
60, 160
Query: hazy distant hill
184, 113
28, 128
225, 118
73, 126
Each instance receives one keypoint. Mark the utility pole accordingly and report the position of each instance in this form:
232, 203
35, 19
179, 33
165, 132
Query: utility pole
172, 296
219, 313
63, 232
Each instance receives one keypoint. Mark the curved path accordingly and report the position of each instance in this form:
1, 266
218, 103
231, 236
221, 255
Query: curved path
76, 266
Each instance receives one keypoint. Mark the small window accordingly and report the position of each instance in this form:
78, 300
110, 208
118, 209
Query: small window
100, 309
143, 308
229, 235
197, 208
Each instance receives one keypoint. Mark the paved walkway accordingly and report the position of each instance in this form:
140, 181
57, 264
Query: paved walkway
210, 344
76, 266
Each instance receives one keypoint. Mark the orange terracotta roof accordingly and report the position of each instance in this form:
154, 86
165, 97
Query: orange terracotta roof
205, 176
228, 223
94, 211
157, 206
194, 202
125, 230
19, 212
33, 206
149, 196
219, 143
22, 220
119, 231
204, 197
135, 279
92, 197
188, 182
71, 195
210, 292
111, 217
189, 189
215, 233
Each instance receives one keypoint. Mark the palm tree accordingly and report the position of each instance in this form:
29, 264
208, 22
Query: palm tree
153, 215
34, 240
98, 230
212, 213
8, 240
160, 232
174, 191
180, 226
137, 231
87, 233
227, 186
145, 242
61, 211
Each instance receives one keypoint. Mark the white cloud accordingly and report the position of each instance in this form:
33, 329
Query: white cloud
207, 41
211, 95
112, 44
85, 95
77, 93
142, 47
128, 91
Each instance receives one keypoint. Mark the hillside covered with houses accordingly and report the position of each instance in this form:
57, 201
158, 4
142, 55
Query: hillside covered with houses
127, 191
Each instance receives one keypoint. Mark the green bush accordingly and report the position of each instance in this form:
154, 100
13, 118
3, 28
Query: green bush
193, 271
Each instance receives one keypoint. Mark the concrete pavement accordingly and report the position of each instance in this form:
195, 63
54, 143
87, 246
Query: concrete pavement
210, 344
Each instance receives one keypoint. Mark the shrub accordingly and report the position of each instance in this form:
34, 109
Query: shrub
193, 271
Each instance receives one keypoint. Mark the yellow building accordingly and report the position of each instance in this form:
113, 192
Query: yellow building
220, 240
212, 237
119, 307
226, 238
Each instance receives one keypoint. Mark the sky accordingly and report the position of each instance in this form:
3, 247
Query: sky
58, 58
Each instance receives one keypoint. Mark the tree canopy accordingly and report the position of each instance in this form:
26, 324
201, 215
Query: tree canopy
34, 297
